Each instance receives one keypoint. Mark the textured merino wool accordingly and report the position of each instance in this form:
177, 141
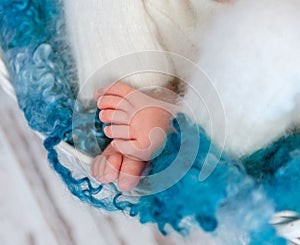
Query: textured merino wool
122, 27
252, 56
235, 202
182, 24
125, 27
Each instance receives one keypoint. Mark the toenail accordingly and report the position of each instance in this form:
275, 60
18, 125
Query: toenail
107, 131
101, 114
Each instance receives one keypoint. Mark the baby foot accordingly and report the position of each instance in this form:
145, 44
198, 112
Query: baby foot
137, 114
111, 165
139, 122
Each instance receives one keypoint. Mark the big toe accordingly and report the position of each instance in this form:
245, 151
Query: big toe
112, 168
130, 173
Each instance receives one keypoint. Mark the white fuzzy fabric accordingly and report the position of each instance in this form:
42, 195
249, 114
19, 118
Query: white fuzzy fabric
181, 27
181, 24
252, 55
102, 31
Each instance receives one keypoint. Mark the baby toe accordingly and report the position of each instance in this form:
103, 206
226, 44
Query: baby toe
130, 174
113, 102
118, 132
112, 168
119, 89
114, 116
98, 168
95, 166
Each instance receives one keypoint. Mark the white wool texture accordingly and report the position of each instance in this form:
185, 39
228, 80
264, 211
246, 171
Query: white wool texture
252, 57
102, 31
182, 24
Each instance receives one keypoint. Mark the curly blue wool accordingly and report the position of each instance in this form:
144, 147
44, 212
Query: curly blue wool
42, 73
44, 77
